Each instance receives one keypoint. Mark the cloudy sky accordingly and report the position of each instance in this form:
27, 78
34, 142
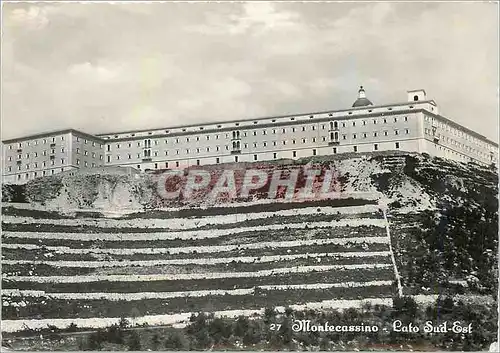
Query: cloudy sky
111, 67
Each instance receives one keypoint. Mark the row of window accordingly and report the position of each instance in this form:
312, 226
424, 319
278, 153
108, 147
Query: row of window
237, 145
457, 132
35, 142
37, 174
255, 156
255, 122
446, 139
53, 151
237, 134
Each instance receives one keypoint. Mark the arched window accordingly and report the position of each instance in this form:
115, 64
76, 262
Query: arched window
237, 134
335, 125
336, 135
234, 134
415, 98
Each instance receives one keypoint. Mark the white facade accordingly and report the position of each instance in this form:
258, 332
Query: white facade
413, 126
50, 153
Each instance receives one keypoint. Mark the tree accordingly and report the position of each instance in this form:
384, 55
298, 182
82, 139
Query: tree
134, 341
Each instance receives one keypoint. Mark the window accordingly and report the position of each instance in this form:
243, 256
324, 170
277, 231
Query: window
109, 159
354, 136
109, 147
275, 155
254, 157
166, 164
236, 158
385, 133
78, 161
255, 133
314, 152
385, 121
303, 128
138, 166
375, 147
415, 98
177, 164
85, 153
293, 129
343, 124
334, 149
406, 118
397, 145
62, 160
129, 156
294, 153
407, 131
293, 142
395, 120
374, 122
364, 122
265, 144
353, 123
156, 165
344, 137
396, 132
355, 148
217, 160
364, 135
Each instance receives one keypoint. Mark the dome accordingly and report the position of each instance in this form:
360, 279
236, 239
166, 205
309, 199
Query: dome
362, 101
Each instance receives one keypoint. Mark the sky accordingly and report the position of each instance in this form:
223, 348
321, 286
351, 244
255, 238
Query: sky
101, 67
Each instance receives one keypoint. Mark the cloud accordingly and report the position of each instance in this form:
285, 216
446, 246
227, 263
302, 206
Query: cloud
33, 18
101, 67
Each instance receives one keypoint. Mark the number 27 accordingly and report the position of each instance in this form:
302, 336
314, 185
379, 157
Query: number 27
275, 327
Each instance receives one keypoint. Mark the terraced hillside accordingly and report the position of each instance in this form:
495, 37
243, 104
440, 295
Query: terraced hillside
158, 263
76, 269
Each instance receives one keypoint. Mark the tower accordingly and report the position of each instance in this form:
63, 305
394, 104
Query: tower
362, 101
